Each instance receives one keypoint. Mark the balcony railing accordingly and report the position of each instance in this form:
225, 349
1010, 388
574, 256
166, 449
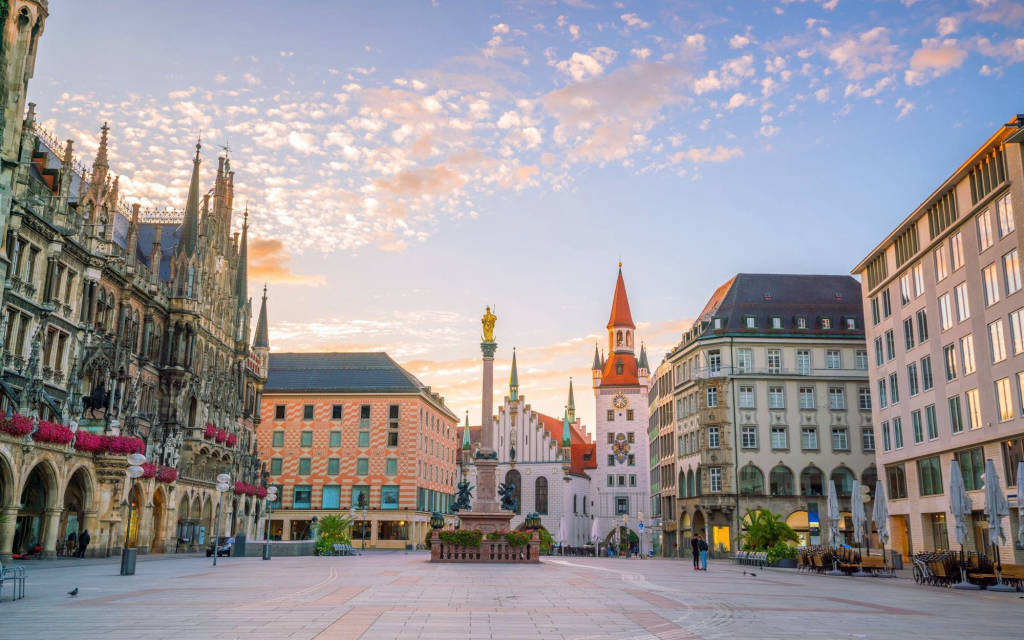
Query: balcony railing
705, 373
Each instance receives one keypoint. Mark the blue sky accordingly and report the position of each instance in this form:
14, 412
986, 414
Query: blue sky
406, 163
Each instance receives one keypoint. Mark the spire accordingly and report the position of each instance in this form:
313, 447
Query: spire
465, 434
101, 152
572, 403
262, 339
566, 432
643, 357
242, 274
513, 381
190, 227
597, 358
620, 316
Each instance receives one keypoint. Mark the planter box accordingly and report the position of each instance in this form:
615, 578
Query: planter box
488, 551
786, 563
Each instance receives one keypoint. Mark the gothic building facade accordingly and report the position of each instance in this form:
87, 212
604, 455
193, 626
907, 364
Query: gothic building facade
120, 330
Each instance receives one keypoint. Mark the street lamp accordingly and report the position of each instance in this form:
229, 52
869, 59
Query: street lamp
268, 501
222, 486
134, 470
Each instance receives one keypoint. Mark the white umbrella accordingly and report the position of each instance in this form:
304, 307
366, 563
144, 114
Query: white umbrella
561, 535
996, 508
960, 506
880, 514
1020, 503
833, 524
857, 512
595, 534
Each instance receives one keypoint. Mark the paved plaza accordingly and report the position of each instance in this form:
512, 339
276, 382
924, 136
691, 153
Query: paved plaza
397, 595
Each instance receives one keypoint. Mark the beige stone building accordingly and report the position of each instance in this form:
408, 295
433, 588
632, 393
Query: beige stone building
769, 401
946, 335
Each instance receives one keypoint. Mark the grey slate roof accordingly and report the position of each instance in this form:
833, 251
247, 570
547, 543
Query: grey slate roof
339, 373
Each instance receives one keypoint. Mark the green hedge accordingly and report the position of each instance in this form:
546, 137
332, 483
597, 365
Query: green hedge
462, 537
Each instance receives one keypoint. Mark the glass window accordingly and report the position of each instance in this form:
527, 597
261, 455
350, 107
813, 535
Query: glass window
806, 397
331, 498
897, 480
905, 288
882, 396
751, 481
890, 345
307, 412
333, 466
949, 358
1011, 267
886, 305
912, 382
864, 398
751, 322
780, 438
927, 382
941, 263
812, 482
861, 360
715, 479
362, 466
833, 360
929, 474
879, 353
364, 416
933, 422
336, 412
956, 243
985, 239
997, 342
1004, 399
776, 398
275, 466
780, 481
963, 307
894, 389
836, 398
304, 466
840, 439
956, 420
714, 361
809, 438
897, 432
306, 439
875, 315
774, 361
301, 496
918, 279
746, 397
990, 279
867, 439
803, 362
713, 437
973, 409
1017, 331
886, 436
279, 412
335, 439
744, 361
918, 427
972, 468
621, 505
967, 354
391, 467
278, 439
908, 334
776, 322
712, 396
361, 496
364, 439
1004, 213
922, 326
389, 497
945, 312
749, 437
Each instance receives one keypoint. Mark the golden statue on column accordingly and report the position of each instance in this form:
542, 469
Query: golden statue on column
488, 321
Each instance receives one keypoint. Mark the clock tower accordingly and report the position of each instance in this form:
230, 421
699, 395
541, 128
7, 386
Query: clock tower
622, 478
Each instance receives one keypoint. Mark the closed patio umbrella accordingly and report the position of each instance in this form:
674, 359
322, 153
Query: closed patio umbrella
833, 524
859, 519
996, 508
960, 506
1020, 503
880, 514
561, 535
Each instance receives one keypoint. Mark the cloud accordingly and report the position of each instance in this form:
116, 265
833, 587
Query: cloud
1010, 50
642, 53
581, 66
933, 59
634, 21
707, 154
905, 107
738, 41
867, 54
434, 180
948, 25
739, 100
269, 260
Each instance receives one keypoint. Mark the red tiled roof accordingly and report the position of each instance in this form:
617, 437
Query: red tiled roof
579, 446
620, 316
629, 375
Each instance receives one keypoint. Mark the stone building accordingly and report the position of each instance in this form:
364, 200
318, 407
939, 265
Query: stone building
942, 292
769, 401
119, 329
356, 433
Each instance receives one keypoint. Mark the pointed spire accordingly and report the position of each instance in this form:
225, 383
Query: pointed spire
513, 381
620, 315
572, 403
242, 274
597, 358
566, 432
465, 434
643, 357
101, 152
262, 339
189, 241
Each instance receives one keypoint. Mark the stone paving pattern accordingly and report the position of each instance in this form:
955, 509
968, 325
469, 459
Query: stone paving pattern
397, 595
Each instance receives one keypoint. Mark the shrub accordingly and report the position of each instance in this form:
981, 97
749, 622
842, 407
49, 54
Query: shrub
518, 539
781, 550
462, 537
765, 530
332, 530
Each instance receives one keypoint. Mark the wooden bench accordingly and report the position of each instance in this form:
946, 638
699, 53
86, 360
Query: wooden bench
872, 562
1013, 572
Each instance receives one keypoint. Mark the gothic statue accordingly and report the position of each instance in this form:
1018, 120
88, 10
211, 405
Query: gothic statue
463, 498
488, 321
508, 496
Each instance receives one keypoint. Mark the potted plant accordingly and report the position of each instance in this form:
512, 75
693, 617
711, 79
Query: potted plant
768, 532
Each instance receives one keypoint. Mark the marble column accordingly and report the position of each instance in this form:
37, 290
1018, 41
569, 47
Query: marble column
91, 522
7, 528
487, 467
50, 532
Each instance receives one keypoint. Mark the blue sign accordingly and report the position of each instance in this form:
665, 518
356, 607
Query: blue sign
640, 526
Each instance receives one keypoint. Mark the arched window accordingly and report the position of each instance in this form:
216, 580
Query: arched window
843, 478
781, 479
513, 477
618, 339
689, 484
812, 482
696, 482
540, 492
870, 479
629, 339
751, 481
682, 483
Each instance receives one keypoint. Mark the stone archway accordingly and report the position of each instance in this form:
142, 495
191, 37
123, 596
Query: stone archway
138, 502
206, 521
156, 541
39, 515
77, 500
8, 493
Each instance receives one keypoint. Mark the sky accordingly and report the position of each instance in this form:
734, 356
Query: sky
406, 163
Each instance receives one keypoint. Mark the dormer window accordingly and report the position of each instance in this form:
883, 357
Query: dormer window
776, 322
618, 368
851, 324
750, 322
801, 322
717, 323
826, 323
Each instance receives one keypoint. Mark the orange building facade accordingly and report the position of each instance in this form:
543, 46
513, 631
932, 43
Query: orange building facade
355, 433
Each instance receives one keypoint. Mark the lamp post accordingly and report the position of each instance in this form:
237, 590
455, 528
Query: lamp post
223, 481
268, 501
134, 470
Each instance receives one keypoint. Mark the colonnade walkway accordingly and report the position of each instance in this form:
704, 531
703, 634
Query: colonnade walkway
400, 595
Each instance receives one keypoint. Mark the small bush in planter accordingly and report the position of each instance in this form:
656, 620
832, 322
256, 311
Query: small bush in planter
463, 537
781, 551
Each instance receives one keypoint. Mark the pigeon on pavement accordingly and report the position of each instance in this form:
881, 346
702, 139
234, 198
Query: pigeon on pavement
73, 592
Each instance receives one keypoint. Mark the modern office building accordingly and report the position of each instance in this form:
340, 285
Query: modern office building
769, 401
356, 433
946, 337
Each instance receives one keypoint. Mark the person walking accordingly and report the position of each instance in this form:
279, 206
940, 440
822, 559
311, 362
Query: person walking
703, 553
83, 542
695, 547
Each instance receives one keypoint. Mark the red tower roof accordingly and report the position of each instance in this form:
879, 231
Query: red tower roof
620, 316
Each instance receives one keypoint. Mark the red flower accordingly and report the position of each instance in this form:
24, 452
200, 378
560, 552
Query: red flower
167, 474
123, 444
52, 432
232, 439
148, 469
261, 492
210, 432
17, 425
88, 441
221, 435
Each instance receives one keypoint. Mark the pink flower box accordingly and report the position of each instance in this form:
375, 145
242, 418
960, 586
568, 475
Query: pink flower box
232, 440
53, 432
221, 435
87, 441
210, 432
18, 425
148, 469
123, 444
261, 492
167, 474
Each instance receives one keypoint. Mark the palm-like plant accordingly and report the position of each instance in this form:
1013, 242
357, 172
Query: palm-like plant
765, 530
332, 530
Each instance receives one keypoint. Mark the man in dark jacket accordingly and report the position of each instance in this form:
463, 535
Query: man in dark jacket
695, 546
83, 542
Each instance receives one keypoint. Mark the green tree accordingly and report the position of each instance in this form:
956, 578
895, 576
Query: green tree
332, 530
765, 530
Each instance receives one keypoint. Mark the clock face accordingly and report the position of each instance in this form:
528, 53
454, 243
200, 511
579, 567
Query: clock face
620, 401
